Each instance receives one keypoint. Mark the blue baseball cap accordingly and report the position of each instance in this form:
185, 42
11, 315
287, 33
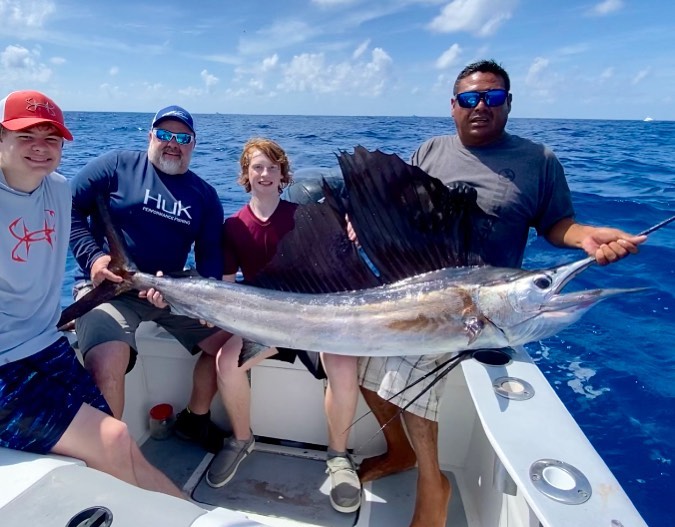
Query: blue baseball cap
177, 113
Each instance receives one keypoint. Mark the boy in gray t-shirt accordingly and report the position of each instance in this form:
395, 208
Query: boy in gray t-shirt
49, 402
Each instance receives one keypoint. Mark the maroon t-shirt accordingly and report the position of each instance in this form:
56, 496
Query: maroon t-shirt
251, 243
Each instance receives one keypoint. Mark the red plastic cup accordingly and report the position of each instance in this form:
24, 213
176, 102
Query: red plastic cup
161, 419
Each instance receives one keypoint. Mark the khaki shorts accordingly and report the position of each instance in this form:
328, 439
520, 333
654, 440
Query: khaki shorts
387, 376
118, 320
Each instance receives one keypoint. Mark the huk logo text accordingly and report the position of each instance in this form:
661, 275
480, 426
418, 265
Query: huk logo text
159, 203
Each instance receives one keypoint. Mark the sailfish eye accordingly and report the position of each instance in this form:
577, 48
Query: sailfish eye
543, 282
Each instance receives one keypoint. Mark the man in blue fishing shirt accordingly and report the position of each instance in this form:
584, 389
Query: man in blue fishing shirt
162, 209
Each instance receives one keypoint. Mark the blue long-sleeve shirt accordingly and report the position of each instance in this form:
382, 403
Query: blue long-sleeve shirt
160, 216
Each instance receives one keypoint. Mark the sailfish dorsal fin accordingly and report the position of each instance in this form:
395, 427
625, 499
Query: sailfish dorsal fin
406, 221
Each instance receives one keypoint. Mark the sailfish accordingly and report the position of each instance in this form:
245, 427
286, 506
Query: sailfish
415, 284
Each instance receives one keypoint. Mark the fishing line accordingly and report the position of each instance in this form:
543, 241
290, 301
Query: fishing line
425, 376
455, 361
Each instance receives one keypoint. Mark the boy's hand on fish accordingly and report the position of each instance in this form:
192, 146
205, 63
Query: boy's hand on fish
157, 299
351, 233
100, 271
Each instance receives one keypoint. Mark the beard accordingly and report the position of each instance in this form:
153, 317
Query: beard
173, 167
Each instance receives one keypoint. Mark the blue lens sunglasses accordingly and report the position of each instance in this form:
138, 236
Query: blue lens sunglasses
492, 98
166, 136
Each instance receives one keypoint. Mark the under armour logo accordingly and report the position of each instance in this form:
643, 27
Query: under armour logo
33, 106
27, 237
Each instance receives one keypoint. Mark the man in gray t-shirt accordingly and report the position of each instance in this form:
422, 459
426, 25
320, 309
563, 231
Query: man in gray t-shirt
521, 184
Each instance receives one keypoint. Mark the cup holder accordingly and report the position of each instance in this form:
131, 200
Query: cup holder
492, 357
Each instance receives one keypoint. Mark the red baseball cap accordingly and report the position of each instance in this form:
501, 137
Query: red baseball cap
22, 109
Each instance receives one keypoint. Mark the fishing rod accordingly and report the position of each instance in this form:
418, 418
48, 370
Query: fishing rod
651, 229
657, 226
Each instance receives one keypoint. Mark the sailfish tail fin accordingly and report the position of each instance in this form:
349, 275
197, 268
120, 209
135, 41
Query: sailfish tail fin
120, 264
98, 295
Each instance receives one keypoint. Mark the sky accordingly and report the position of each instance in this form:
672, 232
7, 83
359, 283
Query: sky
590, 59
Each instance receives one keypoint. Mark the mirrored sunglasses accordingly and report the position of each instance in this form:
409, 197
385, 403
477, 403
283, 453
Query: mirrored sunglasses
470, 99
166, 136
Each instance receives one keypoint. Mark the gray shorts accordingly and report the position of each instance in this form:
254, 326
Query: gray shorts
119, 319
389, 375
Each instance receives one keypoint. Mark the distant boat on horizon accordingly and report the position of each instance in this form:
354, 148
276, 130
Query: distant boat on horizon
647, 119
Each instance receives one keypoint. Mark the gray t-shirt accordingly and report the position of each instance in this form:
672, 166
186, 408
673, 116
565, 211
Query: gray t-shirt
519, 182
34, 233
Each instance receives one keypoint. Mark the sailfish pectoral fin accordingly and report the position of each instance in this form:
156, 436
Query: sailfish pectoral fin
473, 325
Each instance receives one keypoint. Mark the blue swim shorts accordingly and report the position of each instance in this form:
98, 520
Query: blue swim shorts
40, 395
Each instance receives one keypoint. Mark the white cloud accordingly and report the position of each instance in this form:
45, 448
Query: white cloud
153, 89
209, 80
310, 72
20, 64
361, 50
222, 59
113, 71
444, 84
269, 63
271, 38
29, 14
607, 73
535, 72
191, 91
574, 49
58, 60
642, 74
253, 76
607, 7
110, 91
540, 80
449, 57
479, 17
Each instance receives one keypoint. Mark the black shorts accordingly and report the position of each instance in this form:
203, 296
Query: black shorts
311, 359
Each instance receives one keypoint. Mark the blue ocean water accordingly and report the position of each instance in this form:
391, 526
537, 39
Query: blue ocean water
614, 369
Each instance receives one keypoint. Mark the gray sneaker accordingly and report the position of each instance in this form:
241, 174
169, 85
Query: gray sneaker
224, 465
345, 487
